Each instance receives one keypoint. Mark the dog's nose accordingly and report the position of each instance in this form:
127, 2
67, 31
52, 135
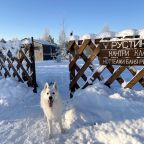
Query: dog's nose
50, 97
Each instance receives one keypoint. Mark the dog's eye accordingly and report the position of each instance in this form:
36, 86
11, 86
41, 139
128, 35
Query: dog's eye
53, 93
47, 93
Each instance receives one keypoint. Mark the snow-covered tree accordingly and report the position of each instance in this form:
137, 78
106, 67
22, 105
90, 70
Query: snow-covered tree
105, 28
14, 39
47, 36
58, 55
62, 43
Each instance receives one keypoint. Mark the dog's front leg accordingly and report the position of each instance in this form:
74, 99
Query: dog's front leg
61, 126
50, 128
45, 117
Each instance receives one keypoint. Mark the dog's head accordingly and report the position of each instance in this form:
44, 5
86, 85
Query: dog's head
50, 93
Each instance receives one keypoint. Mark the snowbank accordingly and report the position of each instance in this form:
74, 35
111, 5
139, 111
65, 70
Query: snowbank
106, 116
126, 132
96, 114
13, 92
98, 103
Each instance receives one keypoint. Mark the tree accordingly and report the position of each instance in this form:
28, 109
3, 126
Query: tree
62, 43
14, 39
2, 40
47, 36
105, 28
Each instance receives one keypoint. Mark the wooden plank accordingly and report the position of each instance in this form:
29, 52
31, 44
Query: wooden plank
120, 44
70, 44
78, 69
24, 71
84, 67
134, 72
135, 79
95, 75
92, 46
72, 75
120, 53
115, 75
26, 59
111, 69
15, 72
83, 56
80, 42
121, 61
73, 51
32, 57
6, 71
99, 71
97, 41
72, 71
26, 48
79, 52
91, 65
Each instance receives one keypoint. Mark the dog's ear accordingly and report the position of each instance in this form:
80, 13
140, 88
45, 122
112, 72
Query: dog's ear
46, 86
55, 86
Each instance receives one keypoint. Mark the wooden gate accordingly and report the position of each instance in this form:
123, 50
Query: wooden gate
88, 50
21, 66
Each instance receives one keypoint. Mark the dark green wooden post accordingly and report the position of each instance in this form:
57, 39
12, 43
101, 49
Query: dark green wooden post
33, 65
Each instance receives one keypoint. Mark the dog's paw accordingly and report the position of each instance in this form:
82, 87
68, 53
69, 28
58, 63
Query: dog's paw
50, 136
63, 131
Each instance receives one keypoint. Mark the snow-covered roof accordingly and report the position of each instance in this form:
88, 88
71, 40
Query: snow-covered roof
141, 33
74, 37
28, 41
110, 34
88, 36
105, 35
127, 32
43, 42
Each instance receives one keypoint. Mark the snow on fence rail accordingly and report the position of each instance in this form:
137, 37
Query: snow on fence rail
17, 60
89, 50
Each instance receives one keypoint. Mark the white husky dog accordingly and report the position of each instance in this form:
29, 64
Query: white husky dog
52, 106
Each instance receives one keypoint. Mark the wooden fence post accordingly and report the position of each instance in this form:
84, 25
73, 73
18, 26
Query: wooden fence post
72, 72
32, 56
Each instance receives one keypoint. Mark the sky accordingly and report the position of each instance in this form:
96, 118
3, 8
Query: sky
26, 18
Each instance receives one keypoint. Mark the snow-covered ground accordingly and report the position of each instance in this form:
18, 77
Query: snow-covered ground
96, 115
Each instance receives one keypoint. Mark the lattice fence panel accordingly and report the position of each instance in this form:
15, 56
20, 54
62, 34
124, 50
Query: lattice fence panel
20, 66
88, 51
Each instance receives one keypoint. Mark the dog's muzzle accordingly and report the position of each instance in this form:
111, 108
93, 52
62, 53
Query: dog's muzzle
50, 101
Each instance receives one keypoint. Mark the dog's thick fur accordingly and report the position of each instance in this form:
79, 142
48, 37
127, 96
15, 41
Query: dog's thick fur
52, 106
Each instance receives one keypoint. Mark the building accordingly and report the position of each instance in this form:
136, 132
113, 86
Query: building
43, 49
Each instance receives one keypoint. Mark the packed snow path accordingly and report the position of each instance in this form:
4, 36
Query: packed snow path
96, 115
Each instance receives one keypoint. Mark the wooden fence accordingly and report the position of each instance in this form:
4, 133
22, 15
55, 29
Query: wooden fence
21, 66
88, 50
